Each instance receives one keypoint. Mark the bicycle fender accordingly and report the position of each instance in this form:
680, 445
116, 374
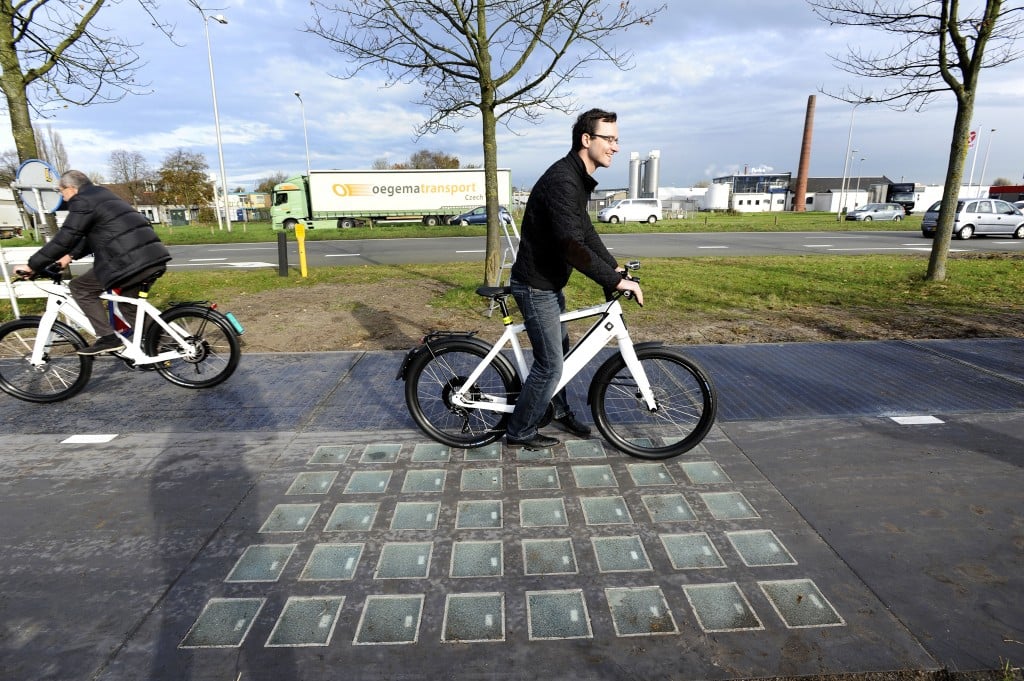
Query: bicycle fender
616, 358
30, 317
425, 345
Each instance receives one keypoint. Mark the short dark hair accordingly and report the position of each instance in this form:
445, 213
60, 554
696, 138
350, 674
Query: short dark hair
586, 123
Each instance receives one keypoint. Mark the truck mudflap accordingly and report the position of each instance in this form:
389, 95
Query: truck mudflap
424, 346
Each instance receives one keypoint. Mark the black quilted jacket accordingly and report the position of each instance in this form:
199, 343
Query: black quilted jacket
557, 234
119, 237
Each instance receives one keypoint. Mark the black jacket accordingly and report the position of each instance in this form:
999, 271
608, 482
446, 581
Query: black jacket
119, 237
557, 233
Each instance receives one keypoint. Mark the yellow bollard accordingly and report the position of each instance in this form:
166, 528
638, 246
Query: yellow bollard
300, 237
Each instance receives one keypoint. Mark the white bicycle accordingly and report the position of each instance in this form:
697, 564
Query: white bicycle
648, 400
190, 344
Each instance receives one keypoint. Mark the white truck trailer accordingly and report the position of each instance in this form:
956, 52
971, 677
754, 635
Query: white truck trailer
11, 221
346, 198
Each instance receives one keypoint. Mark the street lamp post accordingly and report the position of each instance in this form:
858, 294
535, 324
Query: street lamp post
860, 164
305, 135
220, 19
984, 165
846, 161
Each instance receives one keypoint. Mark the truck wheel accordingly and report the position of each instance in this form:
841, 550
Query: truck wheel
430, 221
346, 223
290, 224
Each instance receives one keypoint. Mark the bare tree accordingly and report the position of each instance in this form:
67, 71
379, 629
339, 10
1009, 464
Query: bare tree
503, 60
267, 184
9, 165
50, 148
130, 168
938, 50
52, 52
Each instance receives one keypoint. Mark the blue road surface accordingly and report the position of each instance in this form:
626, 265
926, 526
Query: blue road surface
856, 508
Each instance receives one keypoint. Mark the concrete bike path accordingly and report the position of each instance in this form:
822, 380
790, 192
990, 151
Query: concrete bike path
857, 508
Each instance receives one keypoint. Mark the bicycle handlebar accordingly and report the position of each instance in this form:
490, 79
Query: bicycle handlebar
631, 266
52, 271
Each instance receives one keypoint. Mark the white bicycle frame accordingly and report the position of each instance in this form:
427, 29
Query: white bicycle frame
610, 326
60, 303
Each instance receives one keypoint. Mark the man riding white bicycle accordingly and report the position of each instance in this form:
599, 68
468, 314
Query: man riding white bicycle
557, 237
127, 252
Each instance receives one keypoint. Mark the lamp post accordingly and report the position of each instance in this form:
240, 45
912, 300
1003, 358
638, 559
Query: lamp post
860, 164
984, 165
305, 135
220, 19
846, 161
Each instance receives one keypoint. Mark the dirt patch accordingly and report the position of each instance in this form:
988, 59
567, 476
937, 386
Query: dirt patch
375, 317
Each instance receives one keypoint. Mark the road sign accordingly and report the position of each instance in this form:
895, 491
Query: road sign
37, 181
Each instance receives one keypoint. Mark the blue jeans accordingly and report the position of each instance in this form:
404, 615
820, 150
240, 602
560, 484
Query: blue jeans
550, 341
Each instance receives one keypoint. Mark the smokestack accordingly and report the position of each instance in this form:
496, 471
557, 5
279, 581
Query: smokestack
634, 175
651, 173
805, 158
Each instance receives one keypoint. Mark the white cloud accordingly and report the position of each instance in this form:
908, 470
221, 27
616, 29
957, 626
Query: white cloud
715, 87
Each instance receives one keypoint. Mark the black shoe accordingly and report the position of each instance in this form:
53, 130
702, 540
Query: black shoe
103, 344
538, 441
572, 425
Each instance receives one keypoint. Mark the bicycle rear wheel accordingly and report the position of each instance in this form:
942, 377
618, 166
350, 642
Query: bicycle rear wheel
443, 368
210, 355
64, 372
686, 404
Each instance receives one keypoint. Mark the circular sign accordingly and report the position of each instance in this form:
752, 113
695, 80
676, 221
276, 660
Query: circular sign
37, 181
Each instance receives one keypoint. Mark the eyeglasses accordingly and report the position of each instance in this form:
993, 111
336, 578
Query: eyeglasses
610, 139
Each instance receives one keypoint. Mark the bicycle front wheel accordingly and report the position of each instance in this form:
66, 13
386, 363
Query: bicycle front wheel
442, 369
685, 404
211, 351
63, 372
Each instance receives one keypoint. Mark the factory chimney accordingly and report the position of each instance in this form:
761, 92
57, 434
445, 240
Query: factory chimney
805, 158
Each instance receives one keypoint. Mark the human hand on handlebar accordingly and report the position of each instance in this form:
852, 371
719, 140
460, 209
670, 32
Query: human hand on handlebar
23, 272
631, 288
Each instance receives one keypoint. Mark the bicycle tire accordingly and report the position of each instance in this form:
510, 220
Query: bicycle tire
65, 373
212, 354
444, 366
686, 404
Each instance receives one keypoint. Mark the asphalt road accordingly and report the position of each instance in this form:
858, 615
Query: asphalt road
470, 249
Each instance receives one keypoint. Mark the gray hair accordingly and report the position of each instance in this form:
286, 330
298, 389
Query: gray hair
74, 178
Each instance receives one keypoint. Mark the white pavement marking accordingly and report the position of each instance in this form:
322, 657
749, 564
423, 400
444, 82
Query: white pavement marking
916, 420
88, 439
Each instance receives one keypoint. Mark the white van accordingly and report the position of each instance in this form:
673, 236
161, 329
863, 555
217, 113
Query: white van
632, 210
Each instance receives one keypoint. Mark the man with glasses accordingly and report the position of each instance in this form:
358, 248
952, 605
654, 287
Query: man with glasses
126, 249
557, 237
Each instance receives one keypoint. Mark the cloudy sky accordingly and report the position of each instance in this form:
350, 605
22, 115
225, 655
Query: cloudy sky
716, 87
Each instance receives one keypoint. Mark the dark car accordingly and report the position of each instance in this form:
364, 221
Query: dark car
478, 216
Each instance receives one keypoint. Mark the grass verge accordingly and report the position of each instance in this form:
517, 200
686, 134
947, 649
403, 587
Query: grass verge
677, 287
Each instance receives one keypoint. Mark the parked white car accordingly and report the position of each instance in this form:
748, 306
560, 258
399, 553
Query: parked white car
631, 210
978, 216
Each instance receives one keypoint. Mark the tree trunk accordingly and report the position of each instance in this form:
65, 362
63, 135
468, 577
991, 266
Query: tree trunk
492, 253
951, 190
13, 85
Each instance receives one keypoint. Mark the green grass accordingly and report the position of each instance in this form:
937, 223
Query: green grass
675, 287
245, 232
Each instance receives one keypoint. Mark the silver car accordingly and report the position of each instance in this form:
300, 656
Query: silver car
978, 216
877, 211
